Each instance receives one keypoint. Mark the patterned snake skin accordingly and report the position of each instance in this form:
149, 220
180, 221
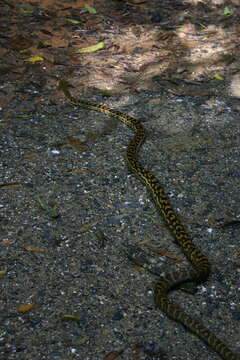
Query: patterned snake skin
201, 268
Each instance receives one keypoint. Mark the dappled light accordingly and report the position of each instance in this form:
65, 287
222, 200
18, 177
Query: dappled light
96, 95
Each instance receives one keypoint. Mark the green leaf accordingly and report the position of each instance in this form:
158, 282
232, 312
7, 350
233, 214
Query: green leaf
227, 11
3, 272
72, 21
26, 11
34, 59
92, 48
71, 317
51, 211
90, 9
218, 77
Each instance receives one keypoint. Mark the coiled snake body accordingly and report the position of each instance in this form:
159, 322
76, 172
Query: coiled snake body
199, 261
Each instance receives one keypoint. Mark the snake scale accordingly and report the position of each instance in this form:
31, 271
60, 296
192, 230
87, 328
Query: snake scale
201, 267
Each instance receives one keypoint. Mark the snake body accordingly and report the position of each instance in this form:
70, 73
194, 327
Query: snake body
201, 267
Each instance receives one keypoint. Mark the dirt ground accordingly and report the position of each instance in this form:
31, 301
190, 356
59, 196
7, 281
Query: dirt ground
70, 209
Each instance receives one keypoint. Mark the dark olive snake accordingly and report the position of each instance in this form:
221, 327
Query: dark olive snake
201, 267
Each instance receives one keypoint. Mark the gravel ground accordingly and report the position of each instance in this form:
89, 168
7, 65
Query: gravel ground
193, 147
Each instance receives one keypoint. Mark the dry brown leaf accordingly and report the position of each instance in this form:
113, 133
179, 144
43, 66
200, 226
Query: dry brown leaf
159, 251
3, 272
20, 43
57, 40
32, 249
138, 267
13, 185
76, 143
6, 242
25, 308
113, 354
137, 1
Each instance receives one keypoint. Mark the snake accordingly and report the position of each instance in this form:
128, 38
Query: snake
200, 265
